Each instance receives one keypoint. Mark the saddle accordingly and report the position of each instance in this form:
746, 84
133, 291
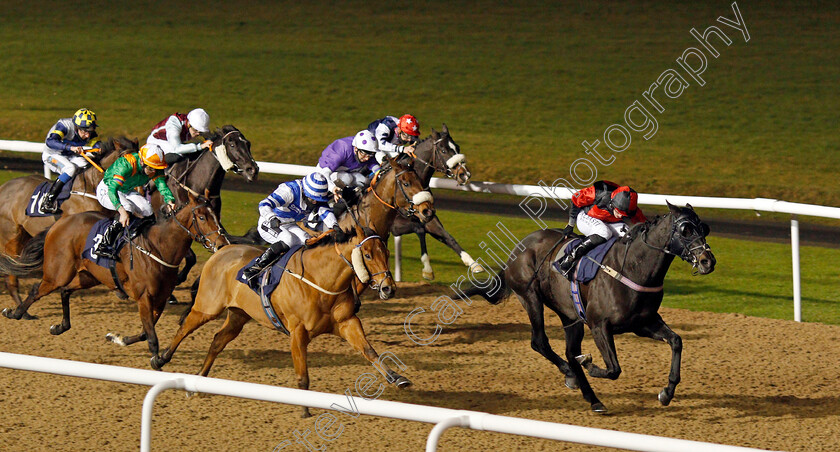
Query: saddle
33, 208
136, 226
586, 267
265, 284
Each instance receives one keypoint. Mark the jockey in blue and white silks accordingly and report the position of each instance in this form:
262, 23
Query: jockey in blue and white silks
298, 200
349, 160
63, 148
395, 136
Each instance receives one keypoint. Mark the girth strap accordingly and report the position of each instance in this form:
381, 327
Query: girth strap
268, 308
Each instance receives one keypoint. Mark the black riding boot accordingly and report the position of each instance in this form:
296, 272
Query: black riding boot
140, 225
107, 247
50, 202
270, 255
586, 245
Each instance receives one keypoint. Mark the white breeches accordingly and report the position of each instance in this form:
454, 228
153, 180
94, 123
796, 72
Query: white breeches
63, 161
289, 233
589, 226
132, 201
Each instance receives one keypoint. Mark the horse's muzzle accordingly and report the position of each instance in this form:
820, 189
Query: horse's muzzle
706, 262
386, 291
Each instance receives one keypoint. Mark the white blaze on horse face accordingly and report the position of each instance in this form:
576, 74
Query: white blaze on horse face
455, 160
453, 147
359, 265
221, 155
421, 197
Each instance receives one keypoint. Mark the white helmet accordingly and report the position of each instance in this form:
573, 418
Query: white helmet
365, 142
199, 119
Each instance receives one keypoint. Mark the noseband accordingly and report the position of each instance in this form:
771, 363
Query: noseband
410, 210
685, 248
373, 284
199, 236
438, 156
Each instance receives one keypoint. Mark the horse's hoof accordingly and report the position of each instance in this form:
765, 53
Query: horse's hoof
429, 275
120, 294
28, 316
115, 338
402, 382
584, 360
173, 300
571, 382
55, 330
599, 408
157, 362
664, 399
10, 313
477, 268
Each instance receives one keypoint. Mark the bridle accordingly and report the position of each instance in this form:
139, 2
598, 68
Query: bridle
372, 282
685, 247
199, 236
220, 153
410, 210
438, 156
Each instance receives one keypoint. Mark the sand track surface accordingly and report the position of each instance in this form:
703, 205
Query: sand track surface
745, 381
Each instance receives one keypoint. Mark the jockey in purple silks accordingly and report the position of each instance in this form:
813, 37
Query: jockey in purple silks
349, 160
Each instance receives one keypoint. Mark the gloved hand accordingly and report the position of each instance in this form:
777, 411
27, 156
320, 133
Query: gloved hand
274, 223
568, 230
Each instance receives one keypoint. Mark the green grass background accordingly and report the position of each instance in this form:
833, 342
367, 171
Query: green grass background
520, 84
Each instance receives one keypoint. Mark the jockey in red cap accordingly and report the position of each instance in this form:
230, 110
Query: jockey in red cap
395, 135
600, 212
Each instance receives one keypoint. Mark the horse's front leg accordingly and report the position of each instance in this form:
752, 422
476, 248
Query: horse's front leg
435, 227
57, 329
299, 343
658, 330
352, 331
606, 345
189, 263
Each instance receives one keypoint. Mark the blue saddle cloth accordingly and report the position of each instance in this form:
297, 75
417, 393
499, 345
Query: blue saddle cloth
33, 209
586, 269
264, 285
96, 235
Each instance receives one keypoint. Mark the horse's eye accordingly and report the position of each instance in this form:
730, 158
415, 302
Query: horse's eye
685, 230
405, 184
202, 217
367, 256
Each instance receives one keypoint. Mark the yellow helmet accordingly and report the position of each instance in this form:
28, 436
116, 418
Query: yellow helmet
152, 155
85, 119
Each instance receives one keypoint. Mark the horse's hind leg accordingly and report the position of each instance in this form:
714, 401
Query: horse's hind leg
573, 330
539, 341
38, 291
57, 329
606, 345
236, 319
192, 321
659, 331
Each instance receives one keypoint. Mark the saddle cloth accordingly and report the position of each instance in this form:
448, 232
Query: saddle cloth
264, 284
33, 208
586, 269
96, 235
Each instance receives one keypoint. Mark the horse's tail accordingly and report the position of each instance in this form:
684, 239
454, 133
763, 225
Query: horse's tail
252, 237
30, 263
493, 293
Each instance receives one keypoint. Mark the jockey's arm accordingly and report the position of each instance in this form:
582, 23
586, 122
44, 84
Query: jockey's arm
55, 139
160, 183
173, 137
381, 133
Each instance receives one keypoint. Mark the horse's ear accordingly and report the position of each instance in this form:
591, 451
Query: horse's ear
359, 231
207, 193
689, 206
435, 133
674, 209
191, 197
445, 129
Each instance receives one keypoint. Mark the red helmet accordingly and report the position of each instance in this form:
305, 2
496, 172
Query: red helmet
624, 199
409, 125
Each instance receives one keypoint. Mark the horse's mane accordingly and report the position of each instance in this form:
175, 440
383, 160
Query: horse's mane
218, 133
127, 146
338, 236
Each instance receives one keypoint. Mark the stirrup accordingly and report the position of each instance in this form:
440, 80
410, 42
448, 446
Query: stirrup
108, 252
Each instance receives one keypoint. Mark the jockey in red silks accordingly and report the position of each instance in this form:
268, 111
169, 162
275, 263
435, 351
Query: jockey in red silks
600, 212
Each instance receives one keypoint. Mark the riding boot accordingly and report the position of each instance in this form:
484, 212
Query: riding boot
140, 225
586, 245
50, 202
107, 247
270, 255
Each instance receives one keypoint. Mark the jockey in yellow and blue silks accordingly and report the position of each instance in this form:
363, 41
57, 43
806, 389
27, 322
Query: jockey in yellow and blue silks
67, 139
117, 191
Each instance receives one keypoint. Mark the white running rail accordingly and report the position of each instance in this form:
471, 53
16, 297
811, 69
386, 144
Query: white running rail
443, 418
539, 194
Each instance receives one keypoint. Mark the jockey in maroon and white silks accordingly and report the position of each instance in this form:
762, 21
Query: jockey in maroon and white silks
172, 134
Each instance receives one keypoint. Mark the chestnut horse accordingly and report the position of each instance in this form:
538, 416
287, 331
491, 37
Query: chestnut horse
146, 270
317, 297
16, 228
437, 153
626, 301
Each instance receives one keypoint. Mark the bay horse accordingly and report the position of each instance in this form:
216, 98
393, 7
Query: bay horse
437, 153
146, 271
17, 228
611, 306
204, 174
323, 303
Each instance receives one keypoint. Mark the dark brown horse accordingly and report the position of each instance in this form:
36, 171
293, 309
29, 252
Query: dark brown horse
315, 299
611, 306
146, 271
205, 173
16, 228
437, 153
